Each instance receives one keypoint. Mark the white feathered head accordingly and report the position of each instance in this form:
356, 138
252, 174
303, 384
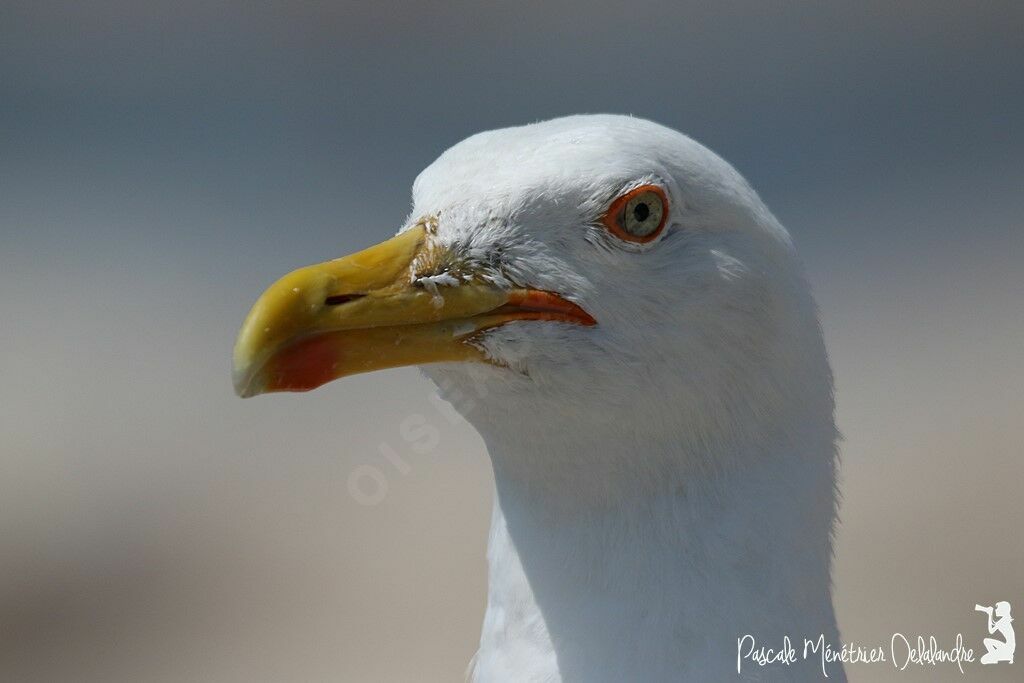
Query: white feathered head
603, 270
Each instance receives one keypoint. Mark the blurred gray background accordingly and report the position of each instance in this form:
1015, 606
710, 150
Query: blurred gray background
160, 164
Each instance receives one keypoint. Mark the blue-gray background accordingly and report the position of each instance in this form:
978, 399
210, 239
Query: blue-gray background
161, 163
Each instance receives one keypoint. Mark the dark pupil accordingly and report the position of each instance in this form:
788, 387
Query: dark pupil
640, 212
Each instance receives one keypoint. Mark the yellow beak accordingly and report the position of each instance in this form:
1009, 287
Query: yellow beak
367, 312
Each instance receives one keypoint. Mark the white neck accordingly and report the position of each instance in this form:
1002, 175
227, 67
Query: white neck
654, 588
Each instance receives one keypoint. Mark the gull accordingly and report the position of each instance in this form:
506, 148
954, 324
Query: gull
648, 373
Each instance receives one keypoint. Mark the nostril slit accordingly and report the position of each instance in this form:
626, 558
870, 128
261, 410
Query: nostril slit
339, 299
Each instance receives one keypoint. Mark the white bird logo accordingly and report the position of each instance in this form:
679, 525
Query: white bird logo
998, 650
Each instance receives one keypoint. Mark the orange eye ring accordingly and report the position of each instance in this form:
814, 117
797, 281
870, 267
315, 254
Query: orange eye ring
645, 203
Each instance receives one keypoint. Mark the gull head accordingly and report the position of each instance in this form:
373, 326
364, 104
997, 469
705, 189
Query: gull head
598, 271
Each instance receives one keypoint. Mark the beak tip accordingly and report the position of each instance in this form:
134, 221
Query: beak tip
243, 380
241, 390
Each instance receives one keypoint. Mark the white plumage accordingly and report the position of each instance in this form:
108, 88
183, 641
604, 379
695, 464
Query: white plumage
628, 327
665, 479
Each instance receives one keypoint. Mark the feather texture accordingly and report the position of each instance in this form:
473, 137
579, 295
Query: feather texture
666, 478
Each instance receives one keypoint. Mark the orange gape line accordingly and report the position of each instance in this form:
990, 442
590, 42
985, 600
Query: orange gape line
547, 306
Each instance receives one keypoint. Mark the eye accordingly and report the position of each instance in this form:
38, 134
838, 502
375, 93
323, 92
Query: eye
639, 215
